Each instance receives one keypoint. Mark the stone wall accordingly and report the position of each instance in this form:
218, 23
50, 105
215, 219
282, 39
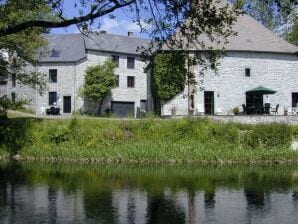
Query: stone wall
70, 79
275, 71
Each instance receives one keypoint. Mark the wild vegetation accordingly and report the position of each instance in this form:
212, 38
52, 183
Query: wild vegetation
147, 141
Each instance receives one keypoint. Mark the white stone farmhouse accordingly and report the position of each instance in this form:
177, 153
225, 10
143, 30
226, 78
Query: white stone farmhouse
65, 62
256, 57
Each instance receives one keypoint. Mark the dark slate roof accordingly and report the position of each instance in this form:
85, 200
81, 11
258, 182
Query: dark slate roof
252, 37
115, 43
63, 48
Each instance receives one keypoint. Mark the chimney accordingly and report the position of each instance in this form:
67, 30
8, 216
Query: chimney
130, 34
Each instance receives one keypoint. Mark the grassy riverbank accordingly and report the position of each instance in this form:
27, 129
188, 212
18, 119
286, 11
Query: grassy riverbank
147, 141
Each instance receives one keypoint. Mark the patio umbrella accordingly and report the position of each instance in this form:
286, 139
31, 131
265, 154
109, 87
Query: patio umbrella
261, 90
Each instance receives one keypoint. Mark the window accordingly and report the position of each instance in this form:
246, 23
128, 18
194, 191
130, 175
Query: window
13, 97
13, 80
53, 75
130, 81
52, 98
130, 62
115, 59
3, 81
117, 80
247, 72
55, 53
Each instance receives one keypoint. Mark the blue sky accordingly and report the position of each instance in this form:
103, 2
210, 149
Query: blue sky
120, 25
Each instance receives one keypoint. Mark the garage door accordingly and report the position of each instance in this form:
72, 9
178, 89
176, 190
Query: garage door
123, 109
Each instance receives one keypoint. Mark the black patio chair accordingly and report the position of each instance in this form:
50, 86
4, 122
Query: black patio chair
267, 108
275, 110
244, 109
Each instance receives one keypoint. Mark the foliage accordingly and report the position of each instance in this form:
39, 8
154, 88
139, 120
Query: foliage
278, 15
99, 81
269, 136
236, 110
6, 103
147, 141
19, 49
292, 35
168, 75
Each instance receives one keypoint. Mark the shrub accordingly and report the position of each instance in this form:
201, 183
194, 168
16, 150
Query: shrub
59, 134
268, 136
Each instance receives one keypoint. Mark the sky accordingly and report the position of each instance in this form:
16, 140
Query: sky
122, 24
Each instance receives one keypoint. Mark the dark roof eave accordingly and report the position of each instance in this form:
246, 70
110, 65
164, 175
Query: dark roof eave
271, 52
63, 61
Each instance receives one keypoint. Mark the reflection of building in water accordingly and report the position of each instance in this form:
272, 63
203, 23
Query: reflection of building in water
131, 206
42, 204
39, 204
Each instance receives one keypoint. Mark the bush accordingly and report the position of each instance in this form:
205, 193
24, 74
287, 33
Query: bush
59, 134
268, 136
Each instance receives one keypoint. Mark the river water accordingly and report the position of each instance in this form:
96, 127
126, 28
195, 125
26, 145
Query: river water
55, 193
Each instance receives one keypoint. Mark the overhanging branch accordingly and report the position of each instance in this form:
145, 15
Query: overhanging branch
63, 23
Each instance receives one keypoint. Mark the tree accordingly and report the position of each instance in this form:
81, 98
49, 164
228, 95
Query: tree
279, 16
20, 49
169, 76
99, 81
292, 35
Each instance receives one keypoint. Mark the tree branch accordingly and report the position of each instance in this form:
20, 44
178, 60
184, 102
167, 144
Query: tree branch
64, 23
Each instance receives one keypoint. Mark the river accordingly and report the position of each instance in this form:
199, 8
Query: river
57, 193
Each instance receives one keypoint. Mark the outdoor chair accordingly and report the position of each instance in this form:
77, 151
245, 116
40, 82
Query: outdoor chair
267, 108
244, 109
275, 110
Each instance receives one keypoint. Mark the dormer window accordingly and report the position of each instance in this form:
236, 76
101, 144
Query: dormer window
55, 53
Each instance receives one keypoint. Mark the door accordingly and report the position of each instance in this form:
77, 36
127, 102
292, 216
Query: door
123, 109
66, 104
209, 102
294, 99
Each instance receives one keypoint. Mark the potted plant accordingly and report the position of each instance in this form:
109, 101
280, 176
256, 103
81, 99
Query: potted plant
285, 111
236, 110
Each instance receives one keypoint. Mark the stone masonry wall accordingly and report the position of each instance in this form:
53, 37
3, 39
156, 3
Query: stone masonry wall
275, 71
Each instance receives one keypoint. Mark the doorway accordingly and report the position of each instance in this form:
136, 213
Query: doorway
66, 104
209, 102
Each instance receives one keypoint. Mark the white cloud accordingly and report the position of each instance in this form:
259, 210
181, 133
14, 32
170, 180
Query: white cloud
119, 26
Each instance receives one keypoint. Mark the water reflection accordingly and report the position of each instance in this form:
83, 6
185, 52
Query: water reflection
36, 193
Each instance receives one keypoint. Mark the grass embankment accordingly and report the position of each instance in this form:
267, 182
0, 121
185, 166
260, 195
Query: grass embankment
147, 141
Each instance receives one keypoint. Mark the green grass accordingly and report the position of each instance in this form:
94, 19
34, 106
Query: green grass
148, 141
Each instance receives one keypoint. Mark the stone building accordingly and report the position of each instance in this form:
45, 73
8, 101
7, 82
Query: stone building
255, 57
64, 63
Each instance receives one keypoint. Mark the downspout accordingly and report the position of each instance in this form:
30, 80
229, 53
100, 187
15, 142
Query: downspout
74, 87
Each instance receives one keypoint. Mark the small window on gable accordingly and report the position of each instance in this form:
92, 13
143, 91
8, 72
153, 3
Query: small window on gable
115, 59
3, 80
130, 81
13, 80
117, 80
247, 72
53, 75
130, 62
13, 97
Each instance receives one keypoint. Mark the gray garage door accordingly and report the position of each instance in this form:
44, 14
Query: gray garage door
123, 109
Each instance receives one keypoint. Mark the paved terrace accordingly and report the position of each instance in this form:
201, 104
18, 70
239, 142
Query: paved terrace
244, 119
